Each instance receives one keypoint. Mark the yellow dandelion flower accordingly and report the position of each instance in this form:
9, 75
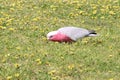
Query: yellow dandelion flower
94, 12
35, 19
11, 29
74, 2
81, 12
71, 15
31, 55
106, 7
111, 12
54, 78
85, 41
52, 72
83, 21
102, 17
110, 55
62, 57
110, 47
116, 7
7, 55
110, 71
26, 55
17, 65
2, 27
102, 10
35, 7
111, 79
94, 7
18, 48
38, 61
9, 78
56, 42
55, 19
17, 75
71, 66
53, 7
44, 39
12, 9
28, 48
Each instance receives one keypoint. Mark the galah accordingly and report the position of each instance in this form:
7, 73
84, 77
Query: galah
69, 34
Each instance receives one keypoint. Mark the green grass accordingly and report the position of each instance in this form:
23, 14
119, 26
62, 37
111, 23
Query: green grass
25, 54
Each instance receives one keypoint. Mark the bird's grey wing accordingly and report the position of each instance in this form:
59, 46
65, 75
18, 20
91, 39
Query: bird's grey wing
73, 32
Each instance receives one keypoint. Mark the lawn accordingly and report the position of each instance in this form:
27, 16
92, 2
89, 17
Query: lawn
26, 54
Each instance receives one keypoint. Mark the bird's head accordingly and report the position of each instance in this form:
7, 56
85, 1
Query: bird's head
58, 37
50, 35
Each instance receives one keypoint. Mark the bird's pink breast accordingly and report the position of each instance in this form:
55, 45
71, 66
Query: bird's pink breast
59, 37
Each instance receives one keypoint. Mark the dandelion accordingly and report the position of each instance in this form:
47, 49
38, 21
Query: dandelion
38, 61
94, 7
17, 75
62, 57
85, 41
12, 9
2, 27
111, 79
7, 55
81, 12
17, 65
53, 7
95, 12
102, 10
110, 55
71, 66
111, 12
102, 17
71, 15
26, 55
110, 47
55, 78
11, 29
74, 2
83, 21
28, 48
110, 71
99, 41
44, 39
18, 48
31, 55
56, 42
52, 72
9, 78
35, 19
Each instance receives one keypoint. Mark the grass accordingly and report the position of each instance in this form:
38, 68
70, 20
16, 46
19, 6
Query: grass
25, 54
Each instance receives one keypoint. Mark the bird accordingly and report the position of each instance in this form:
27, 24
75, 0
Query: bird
69, 34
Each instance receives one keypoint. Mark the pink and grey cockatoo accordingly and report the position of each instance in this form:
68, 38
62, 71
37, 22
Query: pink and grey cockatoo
69, 34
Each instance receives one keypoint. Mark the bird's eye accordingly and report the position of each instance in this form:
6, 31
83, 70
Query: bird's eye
50, 36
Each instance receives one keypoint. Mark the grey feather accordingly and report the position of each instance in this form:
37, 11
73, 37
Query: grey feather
76, 33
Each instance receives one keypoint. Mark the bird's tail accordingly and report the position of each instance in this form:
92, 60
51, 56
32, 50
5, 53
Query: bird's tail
92, 33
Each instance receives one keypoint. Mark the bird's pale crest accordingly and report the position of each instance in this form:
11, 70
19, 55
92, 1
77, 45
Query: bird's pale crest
50, 34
